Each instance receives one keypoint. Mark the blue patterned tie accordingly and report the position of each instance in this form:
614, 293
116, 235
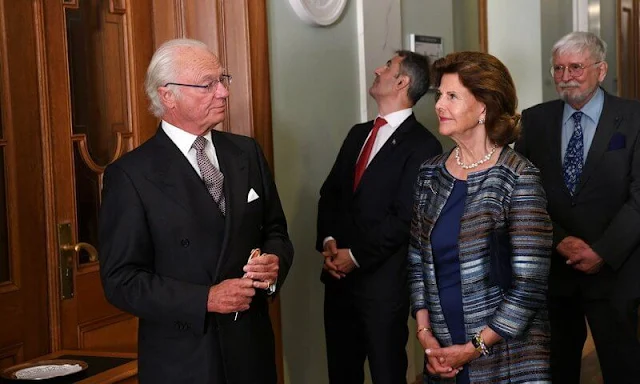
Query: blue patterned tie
573, 158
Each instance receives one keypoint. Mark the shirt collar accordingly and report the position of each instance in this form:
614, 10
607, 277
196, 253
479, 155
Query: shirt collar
592, 109
396, 118
182, 139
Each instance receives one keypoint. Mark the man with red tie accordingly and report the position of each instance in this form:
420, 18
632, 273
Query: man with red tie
364, 214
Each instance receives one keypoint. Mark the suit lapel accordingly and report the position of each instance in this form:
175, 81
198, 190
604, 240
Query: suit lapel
233, 164
607, 126
388, 148
175, 177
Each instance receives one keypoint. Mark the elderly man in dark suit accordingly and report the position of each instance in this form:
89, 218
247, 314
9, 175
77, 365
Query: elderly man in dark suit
587, 146
364, 215
180, 216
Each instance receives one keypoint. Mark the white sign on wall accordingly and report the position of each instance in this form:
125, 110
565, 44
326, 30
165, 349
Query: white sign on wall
430, 46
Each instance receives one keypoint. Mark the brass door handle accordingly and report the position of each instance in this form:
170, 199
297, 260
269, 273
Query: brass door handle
90, 249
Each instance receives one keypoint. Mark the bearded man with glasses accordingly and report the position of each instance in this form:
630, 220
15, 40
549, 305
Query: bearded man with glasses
587, 147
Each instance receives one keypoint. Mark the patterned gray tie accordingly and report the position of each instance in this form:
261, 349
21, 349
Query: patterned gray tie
213, 178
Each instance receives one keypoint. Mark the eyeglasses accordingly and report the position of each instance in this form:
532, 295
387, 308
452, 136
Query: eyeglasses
575, 69
225, 80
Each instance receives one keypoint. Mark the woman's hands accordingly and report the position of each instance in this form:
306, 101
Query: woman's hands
438, 364
453, 357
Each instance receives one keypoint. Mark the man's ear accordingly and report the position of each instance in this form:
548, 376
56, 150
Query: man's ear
167, 97
602, 71
402, 82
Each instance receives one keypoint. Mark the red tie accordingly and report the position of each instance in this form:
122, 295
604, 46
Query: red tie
363, 160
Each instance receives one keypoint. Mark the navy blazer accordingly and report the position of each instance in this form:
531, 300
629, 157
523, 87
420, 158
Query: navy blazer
158, 258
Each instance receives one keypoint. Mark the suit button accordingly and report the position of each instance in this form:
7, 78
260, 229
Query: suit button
184, 243
573, 203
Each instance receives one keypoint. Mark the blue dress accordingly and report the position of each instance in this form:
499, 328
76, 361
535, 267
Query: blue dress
444, 244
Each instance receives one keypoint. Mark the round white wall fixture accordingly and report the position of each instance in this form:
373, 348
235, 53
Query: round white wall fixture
318, 12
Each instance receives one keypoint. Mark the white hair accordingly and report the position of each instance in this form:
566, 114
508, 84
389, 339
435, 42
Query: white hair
162, 70
576, 42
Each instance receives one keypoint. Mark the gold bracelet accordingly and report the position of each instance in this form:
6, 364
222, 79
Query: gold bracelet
426, 329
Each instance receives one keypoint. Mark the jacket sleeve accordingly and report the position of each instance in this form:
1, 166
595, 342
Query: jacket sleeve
415, 279
127, 261
332, 218
530, 233
622, 236
523, 146
392, 232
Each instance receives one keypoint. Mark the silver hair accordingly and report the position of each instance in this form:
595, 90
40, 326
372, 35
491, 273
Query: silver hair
162, 70
576, 42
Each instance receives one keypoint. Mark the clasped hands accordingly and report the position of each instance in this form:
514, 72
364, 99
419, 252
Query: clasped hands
580, 256
337, 261
446, 362
235, 295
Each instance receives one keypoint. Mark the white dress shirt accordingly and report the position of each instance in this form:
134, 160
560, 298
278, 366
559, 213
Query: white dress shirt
184, 140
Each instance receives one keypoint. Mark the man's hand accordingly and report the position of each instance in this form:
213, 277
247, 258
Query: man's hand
232, 295
329, 253
580, 255
571, 246
587, 261
263, 270
343, 261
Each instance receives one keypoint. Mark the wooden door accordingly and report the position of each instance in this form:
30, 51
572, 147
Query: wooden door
95, 54
628, 52
24, 326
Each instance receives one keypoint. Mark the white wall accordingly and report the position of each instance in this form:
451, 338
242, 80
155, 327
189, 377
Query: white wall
379, 36
314, 94
514, 34
431, 18
465, 25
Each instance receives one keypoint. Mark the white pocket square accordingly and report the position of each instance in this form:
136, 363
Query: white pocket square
252, 196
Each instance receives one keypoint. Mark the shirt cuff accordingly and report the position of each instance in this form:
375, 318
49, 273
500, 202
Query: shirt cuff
271, 289
354, 259
324, 242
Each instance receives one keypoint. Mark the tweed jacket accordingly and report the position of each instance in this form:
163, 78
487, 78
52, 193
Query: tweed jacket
506, 196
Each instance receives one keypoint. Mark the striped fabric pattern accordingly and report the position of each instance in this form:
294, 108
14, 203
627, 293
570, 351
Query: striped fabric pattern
509, 195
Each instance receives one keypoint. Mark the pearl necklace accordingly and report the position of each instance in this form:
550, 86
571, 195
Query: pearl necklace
477, 163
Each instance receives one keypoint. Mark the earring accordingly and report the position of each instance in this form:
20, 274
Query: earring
481, 121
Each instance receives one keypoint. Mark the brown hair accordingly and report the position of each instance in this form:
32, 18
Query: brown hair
490, 83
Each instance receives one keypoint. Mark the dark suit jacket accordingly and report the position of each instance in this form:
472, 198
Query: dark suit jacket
605, 211
374, 220
157, 258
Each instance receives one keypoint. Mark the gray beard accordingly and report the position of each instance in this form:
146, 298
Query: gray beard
578, 99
